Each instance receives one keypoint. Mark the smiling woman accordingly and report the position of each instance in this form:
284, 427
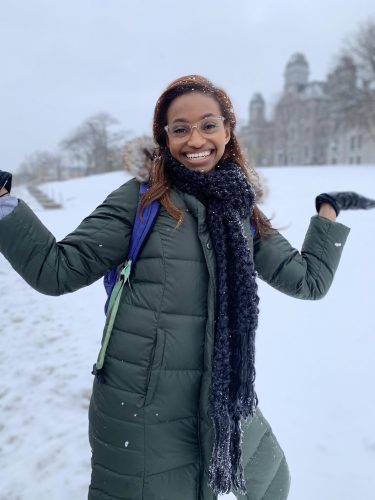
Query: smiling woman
174, 413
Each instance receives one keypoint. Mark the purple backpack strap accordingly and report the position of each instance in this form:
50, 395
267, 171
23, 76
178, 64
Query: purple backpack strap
252, 229
141, 230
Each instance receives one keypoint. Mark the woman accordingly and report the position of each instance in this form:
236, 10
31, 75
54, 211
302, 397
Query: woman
176, 417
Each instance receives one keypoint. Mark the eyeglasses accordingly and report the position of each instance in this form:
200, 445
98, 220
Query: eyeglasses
206, 127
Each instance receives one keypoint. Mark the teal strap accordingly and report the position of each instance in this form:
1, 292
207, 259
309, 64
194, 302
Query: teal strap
113, 306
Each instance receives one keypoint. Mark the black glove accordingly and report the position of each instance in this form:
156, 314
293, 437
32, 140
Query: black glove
345, 200
5, 180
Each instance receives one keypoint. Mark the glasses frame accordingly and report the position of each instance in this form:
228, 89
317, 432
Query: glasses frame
195, 125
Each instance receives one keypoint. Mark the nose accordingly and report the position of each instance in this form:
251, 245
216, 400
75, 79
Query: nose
196, 140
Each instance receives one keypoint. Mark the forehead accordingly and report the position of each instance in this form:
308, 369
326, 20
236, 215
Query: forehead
192, 106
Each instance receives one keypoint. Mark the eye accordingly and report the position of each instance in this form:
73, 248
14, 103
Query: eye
179, 130
210, 125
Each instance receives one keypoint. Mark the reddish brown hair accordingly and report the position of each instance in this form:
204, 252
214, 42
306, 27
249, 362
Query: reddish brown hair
160, 184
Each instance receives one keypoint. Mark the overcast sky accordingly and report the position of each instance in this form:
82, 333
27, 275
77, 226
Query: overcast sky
63, 61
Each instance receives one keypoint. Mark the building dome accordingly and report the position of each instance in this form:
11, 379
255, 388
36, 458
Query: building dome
297, 71
257, 108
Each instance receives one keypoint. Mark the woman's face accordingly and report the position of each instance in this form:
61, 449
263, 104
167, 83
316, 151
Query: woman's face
196, 151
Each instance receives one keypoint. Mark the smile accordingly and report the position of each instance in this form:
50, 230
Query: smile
198, 156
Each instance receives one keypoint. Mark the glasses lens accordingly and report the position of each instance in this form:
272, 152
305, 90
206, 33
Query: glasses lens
207, 126
210, 125
180, 130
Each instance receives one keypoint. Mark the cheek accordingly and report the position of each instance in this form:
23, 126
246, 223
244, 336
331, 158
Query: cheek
221, 144
172, 148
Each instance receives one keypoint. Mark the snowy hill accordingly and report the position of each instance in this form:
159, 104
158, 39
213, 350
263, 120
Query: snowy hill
314, 359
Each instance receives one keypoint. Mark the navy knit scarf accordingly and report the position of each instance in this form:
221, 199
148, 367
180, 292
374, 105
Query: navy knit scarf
229, 201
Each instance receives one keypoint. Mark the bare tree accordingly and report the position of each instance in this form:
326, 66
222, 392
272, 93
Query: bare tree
354, 80
362, 49
94, 145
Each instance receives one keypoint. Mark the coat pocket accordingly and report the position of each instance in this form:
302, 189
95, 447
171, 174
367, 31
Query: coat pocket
154, 368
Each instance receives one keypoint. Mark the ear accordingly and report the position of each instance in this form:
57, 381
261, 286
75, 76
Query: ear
227, 134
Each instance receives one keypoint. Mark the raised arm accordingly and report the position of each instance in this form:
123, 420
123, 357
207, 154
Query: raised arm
307, 274
100, 242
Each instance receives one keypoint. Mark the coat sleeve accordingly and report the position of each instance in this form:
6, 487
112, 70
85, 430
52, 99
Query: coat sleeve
307, 274
100, 242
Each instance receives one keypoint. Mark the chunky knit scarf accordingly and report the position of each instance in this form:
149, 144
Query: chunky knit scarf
229, 200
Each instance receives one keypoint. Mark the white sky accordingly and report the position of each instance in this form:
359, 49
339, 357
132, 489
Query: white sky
64, 61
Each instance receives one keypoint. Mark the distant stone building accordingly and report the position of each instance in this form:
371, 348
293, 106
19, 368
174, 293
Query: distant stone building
309, 125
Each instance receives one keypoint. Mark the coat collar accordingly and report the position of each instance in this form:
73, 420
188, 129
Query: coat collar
191, 204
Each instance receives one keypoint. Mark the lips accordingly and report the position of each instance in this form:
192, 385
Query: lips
199, 155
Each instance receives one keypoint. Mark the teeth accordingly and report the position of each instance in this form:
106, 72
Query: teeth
203, 154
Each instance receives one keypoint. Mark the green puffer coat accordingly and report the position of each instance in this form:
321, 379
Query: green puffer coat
150, 432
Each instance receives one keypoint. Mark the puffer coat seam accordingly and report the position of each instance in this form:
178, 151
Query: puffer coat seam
267, 432
182, 259
97, 464
136, 306
123, 331
104, 493
182, 370
97, 410
127, 332
272, 480
109, 444
187, 417
121, 360
113, 386
170, 469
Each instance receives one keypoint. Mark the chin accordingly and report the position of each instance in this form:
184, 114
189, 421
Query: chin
201, 168
208, 167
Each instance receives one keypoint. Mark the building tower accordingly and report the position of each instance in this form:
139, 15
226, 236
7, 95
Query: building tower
296, 75
257, 110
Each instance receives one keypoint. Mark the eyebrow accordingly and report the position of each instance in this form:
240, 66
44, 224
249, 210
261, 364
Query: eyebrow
206, 115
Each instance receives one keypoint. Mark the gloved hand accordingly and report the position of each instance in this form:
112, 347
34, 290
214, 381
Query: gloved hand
5, 182
344, 200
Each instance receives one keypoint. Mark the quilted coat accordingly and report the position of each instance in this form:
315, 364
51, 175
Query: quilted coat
149, 428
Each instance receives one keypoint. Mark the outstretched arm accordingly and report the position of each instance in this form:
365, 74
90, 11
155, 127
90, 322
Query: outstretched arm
100, 242
307, 274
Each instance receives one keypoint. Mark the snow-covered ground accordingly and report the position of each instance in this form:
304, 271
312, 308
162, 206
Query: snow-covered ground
315, 364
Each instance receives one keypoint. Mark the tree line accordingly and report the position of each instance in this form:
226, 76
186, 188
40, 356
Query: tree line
355, 105
94, 146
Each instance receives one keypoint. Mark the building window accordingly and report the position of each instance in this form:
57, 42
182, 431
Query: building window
352, 143
306, 152
359, 142
351, 161
358, 160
